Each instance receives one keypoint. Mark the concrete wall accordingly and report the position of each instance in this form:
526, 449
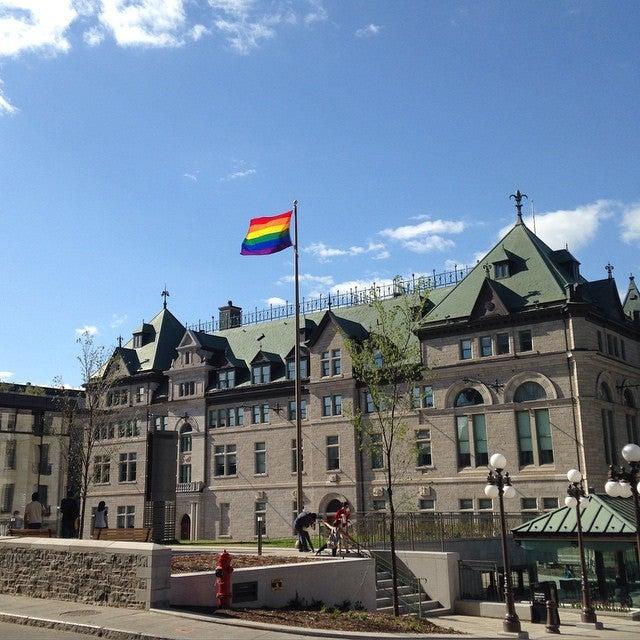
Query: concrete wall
118, 574
491, 609
331, 581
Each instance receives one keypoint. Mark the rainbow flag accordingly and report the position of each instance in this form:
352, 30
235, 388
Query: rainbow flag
267, 235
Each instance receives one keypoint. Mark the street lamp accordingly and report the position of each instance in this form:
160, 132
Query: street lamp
499, 486
576, 498
623, 483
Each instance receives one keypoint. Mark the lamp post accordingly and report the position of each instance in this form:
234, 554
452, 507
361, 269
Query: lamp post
499, 486
575, 499
623, 483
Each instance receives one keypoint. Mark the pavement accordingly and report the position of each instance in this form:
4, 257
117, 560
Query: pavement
84, 620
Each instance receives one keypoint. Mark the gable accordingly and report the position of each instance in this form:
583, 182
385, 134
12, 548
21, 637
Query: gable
488, 303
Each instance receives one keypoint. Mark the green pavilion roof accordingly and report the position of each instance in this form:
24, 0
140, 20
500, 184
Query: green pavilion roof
602, 516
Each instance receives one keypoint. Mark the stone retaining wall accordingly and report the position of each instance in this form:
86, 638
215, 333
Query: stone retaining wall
118, 574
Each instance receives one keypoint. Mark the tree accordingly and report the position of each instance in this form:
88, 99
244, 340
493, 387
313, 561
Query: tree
89, 423
385, 363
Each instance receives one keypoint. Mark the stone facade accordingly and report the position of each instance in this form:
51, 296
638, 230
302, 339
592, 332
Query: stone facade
528, 363
133, 575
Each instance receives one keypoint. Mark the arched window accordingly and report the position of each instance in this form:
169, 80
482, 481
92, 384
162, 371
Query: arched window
468, 397
332, 507
604, 393
529, 391
185, 438
628, 399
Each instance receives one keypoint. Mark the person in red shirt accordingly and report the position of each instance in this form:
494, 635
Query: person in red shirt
341, 522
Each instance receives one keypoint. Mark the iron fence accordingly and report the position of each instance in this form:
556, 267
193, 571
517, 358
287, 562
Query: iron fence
484, 580
416, 283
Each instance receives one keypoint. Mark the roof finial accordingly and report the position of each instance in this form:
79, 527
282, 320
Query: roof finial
487, 269
609, 268
120, 341
517, 196
165, 294
632, 277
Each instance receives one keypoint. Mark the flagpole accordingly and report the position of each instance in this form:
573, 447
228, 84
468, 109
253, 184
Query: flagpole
296, 352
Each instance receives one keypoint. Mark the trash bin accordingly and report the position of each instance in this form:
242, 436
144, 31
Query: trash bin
540, 593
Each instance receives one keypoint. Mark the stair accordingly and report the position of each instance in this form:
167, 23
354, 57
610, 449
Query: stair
411, 600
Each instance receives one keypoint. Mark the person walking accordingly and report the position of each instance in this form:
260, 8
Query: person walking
33, 513
303, 521
101, 518
70, 511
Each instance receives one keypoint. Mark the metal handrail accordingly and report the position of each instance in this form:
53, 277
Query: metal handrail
404, 580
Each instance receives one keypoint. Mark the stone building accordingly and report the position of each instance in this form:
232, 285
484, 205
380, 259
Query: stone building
525, 357
32, 449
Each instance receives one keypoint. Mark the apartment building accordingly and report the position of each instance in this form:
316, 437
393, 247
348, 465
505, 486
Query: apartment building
522, 355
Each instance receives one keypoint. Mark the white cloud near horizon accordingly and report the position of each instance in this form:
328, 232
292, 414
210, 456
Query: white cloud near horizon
275, 301
573, 227
368, 31
427, 235
630, 223
245, 173
307, 278
324, 253
90, 330
6, 375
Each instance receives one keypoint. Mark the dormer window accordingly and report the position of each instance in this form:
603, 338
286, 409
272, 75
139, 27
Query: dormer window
188, 357
261, 373
501, 269
226, 378
304, 369
137, 341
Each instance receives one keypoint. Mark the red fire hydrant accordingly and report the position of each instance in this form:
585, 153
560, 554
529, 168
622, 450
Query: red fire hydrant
223, 580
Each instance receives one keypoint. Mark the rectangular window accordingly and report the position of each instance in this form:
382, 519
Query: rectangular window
525, 442
367, 402
261, 373
325, 364
622, 350
376, 451
465, 504
616, 353
292, 410
485, 504
7, 498
379, 505
633, 434
126, 517
599, 334
226, 379
101, 469
332, 405
304, 369
464, 451
128, 463
187, 357
260, 413
486, 347
501, 270
525, 340
336, 362
480, 440
184, 474
260, 518
502, 343
549, 503
223, 416
294, 457
609, 344
423, 448
235, 416
422, 398
224, 460
609, 434
10, 454
427, 504
140, 394
259, 458
160, 423
543, 433
529, 504
186, 389
465, 349
333, 453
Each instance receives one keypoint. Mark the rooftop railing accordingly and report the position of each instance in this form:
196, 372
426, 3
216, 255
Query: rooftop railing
416, 283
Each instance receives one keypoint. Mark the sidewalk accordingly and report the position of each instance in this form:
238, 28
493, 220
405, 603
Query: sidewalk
133, 624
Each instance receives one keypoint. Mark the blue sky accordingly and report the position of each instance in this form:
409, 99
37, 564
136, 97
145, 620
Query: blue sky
137, 138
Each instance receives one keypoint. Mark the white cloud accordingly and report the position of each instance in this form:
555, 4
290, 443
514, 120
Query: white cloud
275, 301
5, 375
89, 330
317, 13
28, 25
307, 278
238, 174
426, 228
430, 243
117, 321
93, 36
5, 105
574, 227
359, 284
197, 31
368, 31
152, 23
630, 223
325, 253
191, 176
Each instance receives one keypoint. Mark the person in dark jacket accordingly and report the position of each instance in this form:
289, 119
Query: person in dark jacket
70, 511
300, 526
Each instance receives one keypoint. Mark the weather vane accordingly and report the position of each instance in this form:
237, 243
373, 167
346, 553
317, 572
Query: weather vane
517, 196
165, 294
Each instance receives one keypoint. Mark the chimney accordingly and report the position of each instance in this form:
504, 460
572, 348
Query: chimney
230, 316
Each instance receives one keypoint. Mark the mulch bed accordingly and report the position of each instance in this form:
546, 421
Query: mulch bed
338, 620
192, 562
